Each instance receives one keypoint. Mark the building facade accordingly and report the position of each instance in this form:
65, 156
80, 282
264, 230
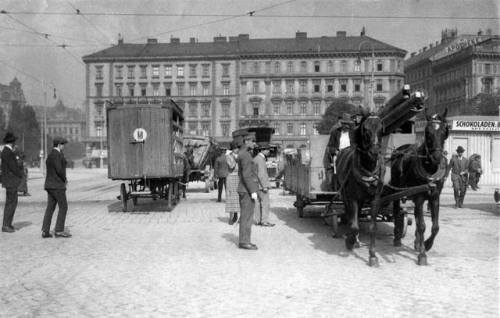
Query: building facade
237, 81
62, 121
456, 69
11, 95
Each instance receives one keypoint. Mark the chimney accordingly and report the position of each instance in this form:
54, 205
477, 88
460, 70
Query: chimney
175, 40
341, 34
152, 41
424, 49
480, 32
192, 40
431, 45
120, 39
301, 35
220, 39
243, 37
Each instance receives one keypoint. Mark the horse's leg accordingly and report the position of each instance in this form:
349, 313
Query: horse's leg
375, 206
398, 222
435, 222
350, 240
420, 229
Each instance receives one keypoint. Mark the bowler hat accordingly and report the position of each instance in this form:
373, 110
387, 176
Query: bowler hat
460, 149
59, 141
9, 137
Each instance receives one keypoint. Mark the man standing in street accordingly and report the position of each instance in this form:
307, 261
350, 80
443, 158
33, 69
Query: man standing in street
340, 138
262, 205
11, 178
55, 185
475, 171
459, 166
247, 191
221, 171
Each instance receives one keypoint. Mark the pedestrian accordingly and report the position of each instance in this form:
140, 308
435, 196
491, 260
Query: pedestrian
12, 175
23, 186
262, 205
459, 167
247, 191
221, 170
475, 171
55, 185
232, 181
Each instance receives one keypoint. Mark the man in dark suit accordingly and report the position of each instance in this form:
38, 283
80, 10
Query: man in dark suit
262, 205
247, 191
459, 166
221, 171
11, 178
55, 185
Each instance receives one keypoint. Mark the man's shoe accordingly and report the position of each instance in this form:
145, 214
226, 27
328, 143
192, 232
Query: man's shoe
247, 246
8, 229
267, 224
62, 234
233, 217
46, 235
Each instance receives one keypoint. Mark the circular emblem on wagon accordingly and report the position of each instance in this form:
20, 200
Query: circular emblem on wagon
140, 134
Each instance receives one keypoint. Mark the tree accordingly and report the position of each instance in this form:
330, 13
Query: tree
3, 124
23, 123
484, 104
333, 112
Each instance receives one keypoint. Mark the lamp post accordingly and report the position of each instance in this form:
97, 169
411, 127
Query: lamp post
99, 133
372, 76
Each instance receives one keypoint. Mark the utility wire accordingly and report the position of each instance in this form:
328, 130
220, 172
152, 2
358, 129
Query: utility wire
79, 13
43, 34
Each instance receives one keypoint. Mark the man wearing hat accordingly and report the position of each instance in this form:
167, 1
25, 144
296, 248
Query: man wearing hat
262, 205
55, 185
11, 178
459, 166
247, 191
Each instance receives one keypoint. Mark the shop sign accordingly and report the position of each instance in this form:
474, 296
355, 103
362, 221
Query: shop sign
476, 125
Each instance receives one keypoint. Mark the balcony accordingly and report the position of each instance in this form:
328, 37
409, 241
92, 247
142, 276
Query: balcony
140, 100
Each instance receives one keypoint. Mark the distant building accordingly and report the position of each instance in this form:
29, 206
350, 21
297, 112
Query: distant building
456, 69
284, 83
62, 121
11, 95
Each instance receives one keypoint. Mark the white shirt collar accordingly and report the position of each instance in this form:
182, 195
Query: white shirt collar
9, 146
260, 153
56, 148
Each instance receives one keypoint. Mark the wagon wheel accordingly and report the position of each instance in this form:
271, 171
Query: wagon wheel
299, 204
169, 197
123, 196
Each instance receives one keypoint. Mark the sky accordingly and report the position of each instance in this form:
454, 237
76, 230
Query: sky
43, 63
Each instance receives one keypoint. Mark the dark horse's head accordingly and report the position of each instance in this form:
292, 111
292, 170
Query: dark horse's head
436, 132
369, 135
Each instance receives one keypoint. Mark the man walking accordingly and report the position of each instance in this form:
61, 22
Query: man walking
459, 166
55, 185
11, 178
247, 191
221, 171
262, 205
475, 171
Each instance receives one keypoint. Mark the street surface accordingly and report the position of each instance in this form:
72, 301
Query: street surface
185, 263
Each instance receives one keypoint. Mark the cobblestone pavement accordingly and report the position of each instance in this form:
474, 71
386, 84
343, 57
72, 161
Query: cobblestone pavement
185, 263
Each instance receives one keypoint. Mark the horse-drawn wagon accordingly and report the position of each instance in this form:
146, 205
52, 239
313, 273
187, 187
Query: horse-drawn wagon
145, 150
201, 152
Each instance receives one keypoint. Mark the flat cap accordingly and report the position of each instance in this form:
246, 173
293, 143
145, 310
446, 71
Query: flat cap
59, 141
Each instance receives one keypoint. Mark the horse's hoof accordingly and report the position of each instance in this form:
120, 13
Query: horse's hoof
428, 245
373, 262
349, 243
415, 246
422, 259
397, 242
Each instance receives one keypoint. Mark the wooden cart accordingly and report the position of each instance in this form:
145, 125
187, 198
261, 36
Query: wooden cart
203, 157
145, 150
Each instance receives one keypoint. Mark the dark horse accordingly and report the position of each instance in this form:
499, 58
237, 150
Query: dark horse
414, 165
359, 170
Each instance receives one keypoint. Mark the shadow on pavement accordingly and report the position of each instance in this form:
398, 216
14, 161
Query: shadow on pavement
143, 206
492, 208
230, 237
319, 233
20, 225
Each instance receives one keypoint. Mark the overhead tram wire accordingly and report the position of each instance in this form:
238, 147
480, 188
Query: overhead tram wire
49, 34
79, 13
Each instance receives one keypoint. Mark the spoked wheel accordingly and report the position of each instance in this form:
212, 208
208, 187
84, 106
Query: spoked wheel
123, 196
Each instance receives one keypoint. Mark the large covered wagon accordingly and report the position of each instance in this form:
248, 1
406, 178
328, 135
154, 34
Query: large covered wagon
201, 152
145, 150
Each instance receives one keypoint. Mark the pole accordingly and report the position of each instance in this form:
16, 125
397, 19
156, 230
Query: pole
44, 130
372, 80
100, 148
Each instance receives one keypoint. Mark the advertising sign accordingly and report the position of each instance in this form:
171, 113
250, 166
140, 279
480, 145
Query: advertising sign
476, 125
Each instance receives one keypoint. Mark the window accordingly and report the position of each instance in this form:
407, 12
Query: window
192, 89
357, 66
315, 130
380, 66
192, 128
156, 90
268, 67
329, 87
398, 66
289, 129
255, 87
289, 87
205, 110
277, 67
316, 67
118, 90
225, 129
255, 108
193, 110
205, 89
144, 69
180, 89
343, 86
289, 67
316, 108
303, 66
303, 108
289, 108
317, 87
180, 70
225, 89
98, 90
205, 69
131, 71
379, 86
357, 86
131, 90
303, 86
225, 69
487, 85
276, 87
225, 111
330, 67
98, 73
143, 91
243, 67
276, 109
343, 66
168, 70
192, 70
256, 68
119, 72
155, 71
487, 68
277, 128
205, 129
168, 90
303, 129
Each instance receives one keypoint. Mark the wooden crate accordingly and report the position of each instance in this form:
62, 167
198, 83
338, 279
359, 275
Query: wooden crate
155, 154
